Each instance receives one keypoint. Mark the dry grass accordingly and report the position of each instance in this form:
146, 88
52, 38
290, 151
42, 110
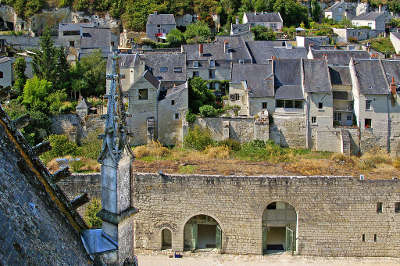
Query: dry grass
310, 167
371, 159
83, 165
396, 162
219, 152
154, 149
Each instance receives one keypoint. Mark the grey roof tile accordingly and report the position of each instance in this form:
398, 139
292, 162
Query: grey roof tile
152, 79
240, 28
316, 76
161, 19
340, 75
392, 70
259, 78
368, 16
95, 38
168, 61
263, 51
288, 79
339, 57
263, 17
370, 77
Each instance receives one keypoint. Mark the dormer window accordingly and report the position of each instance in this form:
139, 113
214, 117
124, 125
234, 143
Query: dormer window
177, 69
163, 69
195, 63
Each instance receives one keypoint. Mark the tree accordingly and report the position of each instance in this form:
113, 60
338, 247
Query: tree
20, 78
293, 13
199, 94
35, 93
175, 37
262, 33
315, 10
197, 32
92, 209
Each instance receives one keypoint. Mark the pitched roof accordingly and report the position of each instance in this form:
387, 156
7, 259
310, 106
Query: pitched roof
263, 51
240, 28
263, 17
316, 76
335, 5
339, 57
259, 78
93, 38
215, 50
370, 77
161, 19
152, 79
340, 75
125, 61
73, 26
163, 65
392, 70
288, 79
368, 16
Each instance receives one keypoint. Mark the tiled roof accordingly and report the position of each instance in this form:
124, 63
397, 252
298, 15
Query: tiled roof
368, 16
152, 79
166, 66
240, 28
339, 57
340, 75
263, 17
95, 38
161, 19
370, 77
262, 51
288, 79
316, 76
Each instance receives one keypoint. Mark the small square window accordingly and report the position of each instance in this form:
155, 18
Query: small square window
163, 69
211, 74
112, 43
195, 74
234, 97
349, 118
143, 94
320, 105
313, 119
379, 207
368, 123
397, 207
264, 105
363, 237
176, 116
212, 63
368, 104
172, 102
71, 43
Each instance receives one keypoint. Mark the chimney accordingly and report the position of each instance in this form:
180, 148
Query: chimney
200, 49
393, 87
226, 47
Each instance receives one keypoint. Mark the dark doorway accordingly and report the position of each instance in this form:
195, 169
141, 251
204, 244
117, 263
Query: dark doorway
166, 239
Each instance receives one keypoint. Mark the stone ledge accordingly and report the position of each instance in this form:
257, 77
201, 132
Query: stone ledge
116, 218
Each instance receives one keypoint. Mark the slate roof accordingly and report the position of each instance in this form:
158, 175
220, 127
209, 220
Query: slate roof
370, 77
368, 16
263, 17
155, 61
335, 5
392, 70
152, 79
288, 79
215, 50
161, 19
259, 78
339, 57
73, 26
93, 38
262, 51
240, 28
125, 61
340, 75
316, 76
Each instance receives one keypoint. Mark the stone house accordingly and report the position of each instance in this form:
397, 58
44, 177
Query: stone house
6, 72
185, 20
351, 34
373, 20
273, 21
159, 25
340, 10
212, 61
395, 39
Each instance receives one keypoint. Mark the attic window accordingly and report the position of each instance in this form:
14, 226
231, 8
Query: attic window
163, 69
177, 69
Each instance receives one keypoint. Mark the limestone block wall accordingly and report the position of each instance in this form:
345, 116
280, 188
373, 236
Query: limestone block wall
289, 129
333, 212
256, 104
329, 140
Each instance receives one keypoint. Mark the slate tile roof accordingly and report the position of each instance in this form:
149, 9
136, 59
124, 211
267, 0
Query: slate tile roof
152, 79
339, 57
316, 76
340, 75
288, 79
368, 16
161, 19
370, 77
263, 17
93, 38
166, 66
262, 51
391, 70
259, 78
240, 28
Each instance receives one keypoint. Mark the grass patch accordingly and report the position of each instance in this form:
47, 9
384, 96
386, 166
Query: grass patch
187, 169
382, 45
154, 149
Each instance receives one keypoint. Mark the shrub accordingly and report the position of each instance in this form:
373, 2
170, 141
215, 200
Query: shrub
208, 111
60, 146
190, 117
234, 145
219, 152
153, 149
94, 206
91, 146
198, 138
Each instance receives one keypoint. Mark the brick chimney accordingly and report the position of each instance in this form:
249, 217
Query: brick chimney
200, 49
393, 87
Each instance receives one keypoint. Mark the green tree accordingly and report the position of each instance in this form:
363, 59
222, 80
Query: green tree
263, 33
20, 78
90, 216
35, 93
197, 32
199, 94
93, 69
175, 37
293, 13
315, 11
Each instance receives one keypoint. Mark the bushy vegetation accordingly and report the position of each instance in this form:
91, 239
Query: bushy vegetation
198, 138
262, 33
199, 94
154, 149
383, 45
93, 207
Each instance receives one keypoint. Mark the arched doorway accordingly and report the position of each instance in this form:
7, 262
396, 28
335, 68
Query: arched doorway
279, 224
166, 239
202, 232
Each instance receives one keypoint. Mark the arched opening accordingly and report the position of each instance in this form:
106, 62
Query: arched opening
202, 232
166, 239
279, 224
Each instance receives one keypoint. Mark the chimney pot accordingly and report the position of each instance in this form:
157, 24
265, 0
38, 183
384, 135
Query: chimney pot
200, 49
393, 87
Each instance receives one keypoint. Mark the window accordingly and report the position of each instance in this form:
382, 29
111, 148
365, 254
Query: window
375, 237
363, 237
112, 43
234, 97
379, 207
71, 43
195, 74
280, 104
176, 116
212, 63
349, 118
163, 69
143, 94
397, 207
158, 25
320, 105
289, 104
368, 104
339, 116
211, 74
177, 69
264, 105
313, 120
195, 63
298, 104
368, 123
172, 102
1, 74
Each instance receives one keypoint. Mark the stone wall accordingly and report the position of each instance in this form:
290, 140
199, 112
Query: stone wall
333, 212
69, 125
289, 129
